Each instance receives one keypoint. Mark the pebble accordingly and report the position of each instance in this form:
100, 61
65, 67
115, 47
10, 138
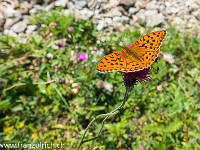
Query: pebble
80, 4
132, 10
114, 12
101, 25
83, 14
9, 22
62, 3
19, 27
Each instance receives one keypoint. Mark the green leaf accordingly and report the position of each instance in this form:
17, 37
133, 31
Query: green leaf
95, 108
5, 104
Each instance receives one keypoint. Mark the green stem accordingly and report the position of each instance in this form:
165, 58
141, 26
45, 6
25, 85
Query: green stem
115, 111
95, 118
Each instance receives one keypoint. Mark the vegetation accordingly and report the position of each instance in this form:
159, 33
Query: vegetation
48, 94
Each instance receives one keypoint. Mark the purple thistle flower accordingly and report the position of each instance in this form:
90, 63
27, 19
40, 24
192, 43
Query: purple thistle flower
62, 80
86, 70
129, 44
81, 56
61, 44
76, 47
37, 98
193, 139
130, 78
136, 120
158, 9
129, 135
70, 29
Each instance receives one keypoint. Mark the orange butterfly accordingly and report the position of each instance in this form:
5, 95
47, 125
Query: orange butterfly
138, 56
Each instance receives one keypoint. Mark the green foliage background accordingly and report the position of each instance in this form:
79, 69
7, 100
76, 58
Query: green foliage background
166, 118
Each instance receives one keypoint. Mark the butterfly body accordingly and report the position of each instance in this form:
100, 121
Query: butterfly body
138, 56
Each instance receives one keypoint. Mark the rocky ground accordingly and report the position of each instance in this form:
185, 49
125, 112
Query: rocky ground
108, 14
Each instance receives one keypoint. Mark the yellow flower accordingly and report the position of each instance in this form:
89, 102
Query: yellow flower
20, 124
7, 129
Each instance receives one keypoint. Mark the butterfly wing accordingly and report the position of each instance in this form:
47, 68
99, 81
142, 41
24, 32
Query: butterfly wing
113, 62
149, 42
148, 46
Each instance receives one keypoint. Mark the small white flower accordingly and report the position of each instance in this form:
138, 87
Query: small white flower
108, 86
74, 85
74, 91
168, 58
49, 56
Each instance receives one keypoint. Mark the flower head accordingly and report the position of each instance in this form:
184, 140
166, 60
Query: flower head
169, 58
70, 29
129, 135
130, 78
61, 44
158, 9
86, 70
129, 44
76, 47
62, 80
108, 86
37, 98
193, 139
81, 56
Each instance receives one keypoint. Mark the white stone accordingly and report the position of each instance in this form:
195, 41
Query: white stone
153, 18
114, 12
84, 14
9, 33
132, 10
101, 25
19, 27
117, 19
9, 22
61, 3
80, 4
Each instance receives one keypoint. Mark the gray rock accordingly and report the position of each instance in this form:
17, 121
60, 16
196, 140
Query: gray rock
128, 3
49, 7
152, 5
117, 19
140, 4
25, 7
101, 25
9, 33
61, 3
84, 14
153, 18
70, 5
109, 21
19, 27
10, 12
80, 4
10, 22
132, 10
114, 12
30, 29
36, 9
177, 21
150, 17
125, 19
